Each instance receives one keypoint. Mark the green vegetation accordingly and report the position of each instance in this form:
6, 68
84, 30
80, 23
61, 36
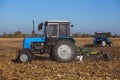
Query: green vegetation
19, 34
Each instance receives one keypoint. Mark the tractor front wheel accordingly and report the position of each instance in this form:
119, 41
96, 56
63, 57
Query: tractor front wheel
110, 44
64, 51
25, 56
103, 43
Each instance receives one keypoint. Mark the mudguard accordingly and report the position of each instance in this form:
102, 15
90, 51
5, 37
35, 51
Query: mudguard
28, 41
108, 40
67, 37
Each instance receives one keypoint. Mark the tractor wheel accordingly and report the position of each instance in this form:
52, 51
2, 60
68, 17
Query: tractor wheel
64, 51
103, 43
25, 56
110, 44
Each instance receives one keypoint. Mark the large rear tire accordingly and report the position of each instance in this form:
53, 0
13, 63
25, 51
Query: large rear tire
25, 56
64, 51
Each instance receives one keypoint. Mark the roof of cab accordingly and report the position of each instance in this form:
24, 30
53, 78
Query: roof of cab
57, 21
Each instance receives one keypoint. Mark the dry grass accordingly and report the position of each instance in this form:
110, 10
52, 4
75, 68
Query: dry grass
45, 69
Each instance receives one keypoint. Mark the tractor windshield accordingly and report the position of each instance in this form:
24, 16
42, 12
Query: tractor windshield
64, 30
52, 30
97, 36
58, 29
100, 36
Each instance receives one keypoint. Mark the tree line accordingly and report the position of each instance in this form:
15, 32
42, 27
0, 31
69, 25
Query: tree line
87, 35
19, 34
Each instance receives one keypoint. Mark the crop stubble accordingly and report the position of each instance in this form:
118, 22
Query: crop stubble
42, 68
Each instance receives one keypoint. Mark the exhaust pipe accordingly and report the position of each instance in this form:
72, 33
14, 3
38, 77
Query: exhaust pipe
33, 32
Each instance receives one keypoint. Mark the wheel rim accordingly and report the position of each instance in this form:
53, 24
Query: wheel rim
103, 43
23, 57
64, 51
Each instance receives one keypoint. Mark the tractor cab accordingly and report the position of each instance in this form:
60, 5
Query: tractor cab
100, 35
55, 28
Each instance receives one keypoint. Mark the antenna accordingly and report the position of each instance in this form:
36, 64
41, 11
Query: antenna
33, 32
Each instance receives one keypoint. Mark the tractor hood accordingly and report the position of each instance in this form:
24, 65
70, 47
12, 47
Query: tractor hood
28, 41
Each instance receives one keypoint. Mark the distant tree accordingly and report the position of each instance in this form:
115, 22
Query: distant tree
0, 36
5, 35
18, 34
26, 35
116, 36
108, 34
77, 34
83, 35
10, 35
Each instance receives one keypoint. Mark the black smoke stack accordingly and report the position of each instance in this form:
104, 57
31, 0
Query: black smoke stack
33, 32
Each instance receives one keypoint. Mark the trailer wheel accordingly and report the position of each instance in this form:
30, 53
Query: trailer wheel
64, 51
25, 56
103, 43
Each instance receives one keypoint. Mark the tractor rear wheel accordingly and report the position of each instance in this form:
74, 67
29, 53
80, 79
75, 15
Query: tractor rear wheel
64, 51
25, 56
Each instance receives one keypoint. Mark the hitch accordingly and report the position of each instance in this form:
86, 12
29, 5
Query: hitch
90, 54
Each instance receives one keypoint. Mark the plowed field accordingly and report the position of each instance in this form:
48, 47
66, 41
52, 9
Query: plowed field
42, 68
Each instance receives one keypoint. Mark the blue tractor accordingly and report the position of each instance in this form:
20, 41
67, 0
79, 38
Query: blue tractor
102, 39
56, 40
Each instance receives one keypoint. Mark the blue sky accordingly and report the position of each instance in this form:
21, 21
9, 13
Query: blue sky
87, 16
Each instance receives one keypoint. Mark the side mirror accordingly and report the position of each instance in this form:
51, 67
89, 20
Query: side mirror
71, 25
40, 26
